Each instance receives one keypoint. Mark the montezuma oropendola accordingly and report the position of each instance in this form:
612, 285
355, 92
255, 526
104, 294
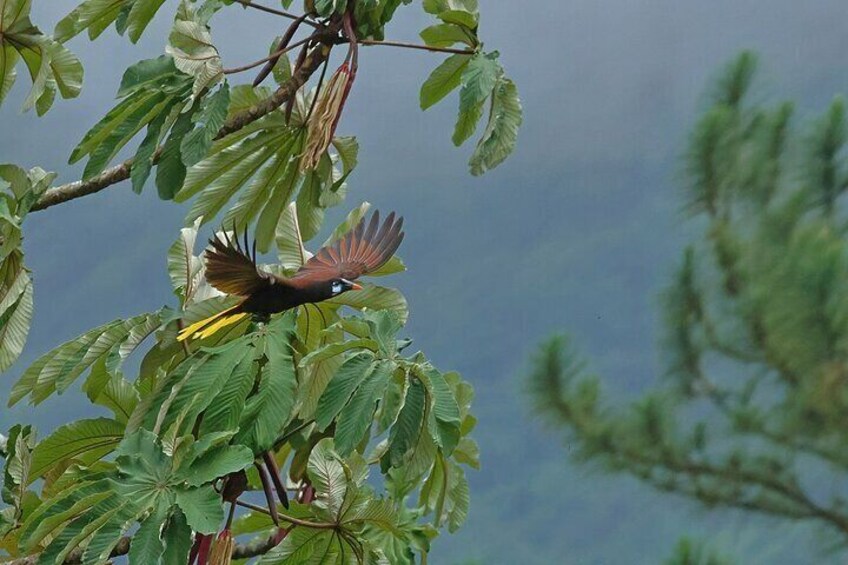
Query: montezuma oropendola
330, 272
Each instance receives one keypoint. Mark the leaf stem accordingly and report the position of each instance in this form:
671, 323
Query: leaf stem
287, 518
418, 46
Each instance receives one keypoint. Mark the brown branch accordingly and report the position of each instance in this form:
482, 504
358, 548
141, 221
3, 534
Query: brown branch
405, 45
118, 173
240, 551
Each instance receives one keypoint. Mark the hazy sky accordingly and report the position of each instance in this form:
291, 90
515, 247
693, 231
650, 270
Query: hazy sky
577, 232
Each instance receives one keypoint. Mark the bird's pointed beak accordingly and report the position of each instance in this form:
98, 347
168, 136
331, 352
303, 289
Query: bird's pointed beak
351, 285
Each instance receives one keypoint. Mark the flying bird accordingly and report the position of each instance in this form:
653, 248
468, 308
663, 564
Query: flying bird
332, 271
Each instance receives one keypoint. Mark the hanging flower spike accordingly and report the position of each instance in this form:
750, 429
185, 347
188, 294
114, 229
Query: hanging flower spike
222, 549
325, 117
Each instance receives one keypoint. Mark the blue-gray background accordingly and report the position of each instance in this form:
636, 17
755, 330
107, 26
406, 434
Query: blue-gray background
578, 231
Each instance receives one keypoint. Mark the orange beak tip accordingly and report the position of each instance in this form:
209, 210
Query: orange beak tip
356, 286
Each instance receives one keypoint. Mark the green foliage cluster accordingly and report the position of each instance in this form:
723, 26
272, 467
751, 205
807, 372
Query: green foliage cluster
689, 552
325, 392
50, 65
751, 413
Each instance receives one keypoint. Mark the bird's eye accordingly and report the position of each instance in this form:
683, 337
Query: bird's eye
337, 287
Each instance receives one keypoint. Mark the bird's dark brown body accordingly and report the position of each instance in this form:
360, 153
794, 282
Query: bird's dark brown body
282, 295
332, 270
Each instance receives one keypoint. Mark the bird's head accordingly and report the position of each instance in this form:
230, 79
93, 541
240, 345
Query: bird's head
339, 286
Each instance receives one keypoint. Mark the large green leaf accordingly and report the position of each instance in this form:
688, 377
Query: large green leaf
147, 545
15, 316
346, 502
194, 385
267, 412
171, 172
94, 15
208, 120
501, 134
328, 476
332, 349
222, 174
139, 17
443, 80
338, 392
17, 469
446, 35
190, 43
186, 270
19, 190
178, 539
83, 440
165, 492
267, 195
406, 432
111, 390
225, 411
202, 508
445, 418
152, 93
356, 417
438, 6
56, 370
290, 250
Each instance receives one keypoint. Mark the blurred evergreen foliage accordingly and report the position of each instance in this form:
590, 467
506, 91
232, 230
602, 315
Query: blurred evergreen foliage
751, 411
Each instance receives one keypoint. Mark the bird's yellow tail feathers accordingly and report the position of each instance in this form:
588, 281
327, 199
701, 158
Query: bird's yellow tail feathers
210, 325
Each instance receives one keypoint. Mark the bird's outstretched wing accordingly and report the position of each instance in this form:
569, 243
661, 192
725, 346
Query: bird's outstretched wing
361, 251
233, 270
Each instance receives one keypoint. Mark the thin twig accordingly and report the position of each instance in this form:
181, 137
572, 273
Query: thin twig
275, 55
406, 45
276, 12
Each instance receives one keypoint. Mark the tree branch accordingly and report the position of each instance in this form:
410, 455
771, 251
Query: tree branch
240, 551
118, 173
800, 505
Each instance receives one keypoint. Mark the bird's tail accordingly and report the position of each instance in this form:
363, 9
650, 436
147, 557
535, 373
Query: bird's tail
210, 325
